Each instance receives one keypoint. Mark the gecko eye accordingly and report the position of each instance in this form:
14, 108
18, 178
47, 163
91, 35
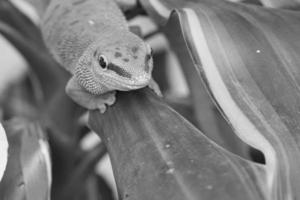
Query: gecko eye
103, 62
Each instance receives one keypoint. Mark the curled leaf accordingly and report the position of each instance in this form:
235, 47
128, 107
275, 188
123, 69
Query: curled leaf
249, 66
3, 151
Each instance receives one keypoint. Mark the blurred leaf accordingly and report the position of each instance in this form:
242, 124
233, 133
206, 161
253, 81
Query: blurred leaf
127, 4
257, 2
18, 21
59, 109
32, 8
10, 59
156, 154
28, 174
248, 57
78, 176
3, 151
39, 59
289, 4
101, 188
160, 10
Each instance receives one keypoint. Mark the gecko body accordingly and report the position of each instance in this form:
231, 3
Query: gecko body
91, 39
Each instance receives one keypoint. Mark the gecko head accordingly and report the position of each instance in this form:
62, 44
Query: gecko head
124, 64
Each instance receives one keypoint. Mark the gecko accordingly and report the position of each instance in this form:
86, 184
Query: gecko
91, 40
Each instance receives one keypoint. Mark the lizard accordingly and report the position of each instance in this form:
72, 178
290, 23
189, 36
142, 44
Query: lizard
91, 40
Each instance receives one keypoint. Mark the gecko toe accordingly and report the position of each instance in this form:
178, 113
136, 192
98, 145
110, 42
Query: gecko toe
102, 108
111, 98
107, 99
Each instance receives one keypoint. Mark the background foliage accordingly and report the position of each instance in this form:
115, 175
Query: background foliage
240, 62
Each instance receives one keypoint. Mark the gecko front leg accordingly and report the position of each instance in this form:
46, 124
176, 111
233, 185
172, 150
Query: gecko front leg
87, 100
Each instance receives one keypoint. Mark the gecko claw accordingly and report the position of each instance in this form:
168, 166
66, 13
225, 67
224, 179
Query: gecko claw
88, 100
102, 108
154, 86
111, 98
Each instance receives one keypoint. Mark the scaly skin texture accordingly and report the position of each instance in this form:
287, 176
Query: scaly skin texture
91, 39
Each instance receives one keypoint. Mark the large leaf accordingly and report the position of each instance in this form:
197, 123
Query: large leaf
248, 57
156, 154
28, 174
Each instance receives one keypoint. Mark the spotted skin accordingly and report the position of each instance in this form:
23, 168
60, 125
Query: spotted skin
134, 49
118, 54
80, 32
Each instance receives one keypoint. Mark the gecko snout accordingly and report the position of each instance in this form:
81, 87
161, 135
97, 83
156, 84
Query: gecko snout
142, 79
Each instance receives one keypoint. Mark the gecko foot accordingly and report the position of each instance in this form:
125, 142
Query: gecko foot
154, 86
88, 100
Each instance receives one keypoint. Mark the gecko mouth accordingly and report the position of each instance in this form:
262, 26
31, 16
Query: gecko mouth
129, 83
117, 81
